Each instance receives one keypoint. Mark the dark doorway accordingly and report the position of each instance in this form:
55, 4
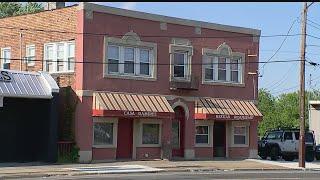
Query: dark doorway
28, 130
219, 139
178, 132
125, 138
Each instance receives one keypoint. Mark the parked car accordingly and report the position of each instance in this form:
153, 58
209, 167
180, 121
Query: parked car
285, 144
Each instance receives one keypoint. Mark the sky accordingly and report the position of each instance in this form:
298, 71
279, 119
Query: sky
271, 19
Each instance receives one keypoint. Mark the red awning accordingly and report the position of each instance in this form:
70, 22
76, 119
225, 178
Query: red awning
113, 104
226, 109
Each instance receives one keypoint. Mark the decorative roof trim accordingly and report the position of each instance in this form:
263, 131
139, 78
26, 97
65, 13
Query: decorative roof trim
167, 19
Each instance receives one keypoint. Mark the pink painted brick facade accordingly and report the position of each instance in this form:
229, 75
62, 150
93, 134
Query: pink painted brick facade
93, 23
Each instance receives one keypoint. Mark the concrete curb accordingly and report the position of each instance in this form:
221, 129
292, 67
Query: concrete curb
73, 173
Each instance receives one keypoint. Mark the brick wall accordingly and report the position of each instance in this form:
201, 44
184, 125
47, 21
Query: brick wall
64, 20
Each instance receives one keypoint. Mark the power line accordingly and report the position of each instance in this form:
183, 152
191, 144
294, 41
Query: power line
280, 44
275, 85
294, 86
313, 22
97, 62
164, 36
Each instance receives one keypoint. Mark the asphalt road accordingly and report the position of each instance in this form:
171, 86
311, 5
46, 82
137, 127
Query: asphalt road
283, 174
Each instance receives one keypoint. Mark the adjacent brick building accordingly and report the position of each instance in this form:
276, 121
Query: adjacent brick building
151, 86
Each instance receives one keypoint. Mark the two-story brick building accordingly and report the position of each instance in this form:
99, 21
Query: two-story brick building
150, 86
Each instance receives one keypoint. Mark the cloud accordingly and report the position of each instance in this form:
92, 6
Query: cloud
129, 5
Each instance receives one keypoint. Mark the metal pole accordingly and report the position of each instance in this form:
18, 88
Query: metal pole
21, 52
302, 88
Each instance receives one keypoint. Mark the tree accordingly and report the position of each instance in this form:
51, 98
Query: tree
8, 9
282, 111
267, 107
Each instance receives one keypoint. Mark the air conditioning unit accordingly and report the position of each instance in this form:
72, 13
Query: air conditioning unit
6, 65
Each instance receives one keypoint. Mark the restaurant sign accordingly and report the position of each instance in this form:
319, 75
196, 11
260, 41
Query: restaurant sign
5, 76
140, 114
234, 117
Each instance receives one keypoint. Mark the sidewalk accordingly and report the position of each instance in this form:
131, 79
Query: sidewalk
38, 170
289, 164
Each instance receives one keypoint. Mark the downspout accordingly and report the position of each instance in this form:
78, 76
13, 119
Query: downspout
21, 51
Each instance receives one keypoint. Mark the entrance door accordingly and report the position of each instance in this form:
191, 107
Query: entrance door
219, 139
125, 139
178, 133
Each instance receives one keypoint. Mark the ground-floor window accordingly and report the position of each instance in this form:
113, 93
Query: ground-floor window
240, 135
202, 134
103, 133
150, 133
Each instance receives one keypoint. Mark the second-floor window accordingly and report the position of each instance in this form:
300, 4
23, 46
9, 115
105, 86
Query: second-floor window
5, 57
181, 52
180, 64
125, 60
222, 69
30, 55
59, 57
223, 66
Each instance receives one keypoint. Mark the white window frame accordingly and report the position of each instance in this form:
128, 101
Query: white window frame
134, 60
119, 62
209, 123
238, 59
2, 56
131, 40
215, 54
185, 65
203, 135
149, 121
181, 46
210, 63
70, 56
247, 134
115, 131
55, 58
28, 56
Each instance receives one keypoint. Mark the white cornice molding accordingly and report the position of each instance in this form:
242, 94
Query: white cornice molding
167, 19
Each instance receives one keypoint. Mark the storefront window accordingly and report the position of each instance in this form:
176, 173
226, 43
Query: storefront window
239, 135
103, 133
202, 134
150, 133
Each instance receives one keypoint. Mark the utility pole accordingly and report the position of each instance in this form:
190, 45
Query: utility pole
302, 88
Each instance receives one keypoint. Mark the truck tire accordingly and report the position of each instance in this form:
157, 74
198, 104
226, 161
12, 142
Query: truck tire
274, 153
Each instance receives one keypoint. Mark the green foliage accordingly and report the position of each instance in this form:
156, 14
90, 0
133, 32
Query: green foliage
8, 9
72, 157
282, 111
69, 113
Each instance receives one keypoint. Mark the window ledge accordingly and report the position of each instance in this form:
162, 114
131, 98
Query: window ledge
180, 80
30, 65
203, 145
239, 145
141, 78
104, 146
218, 83
149, 145
62, 72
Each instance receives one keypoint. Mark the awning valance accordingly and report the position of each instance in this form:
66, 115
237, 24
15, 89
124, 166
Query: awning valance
226, 109
113, 104
25, 84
